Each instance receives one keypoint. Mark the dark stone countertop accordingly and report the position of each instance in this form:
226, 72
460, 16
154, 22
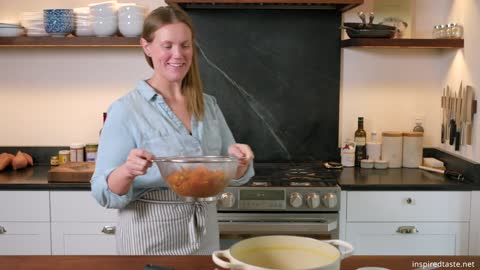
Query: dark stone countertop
399, 179
35, 178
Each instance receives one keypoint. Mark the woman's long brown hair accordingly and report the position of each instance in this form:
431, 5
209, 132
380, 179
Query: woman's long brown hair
191, 84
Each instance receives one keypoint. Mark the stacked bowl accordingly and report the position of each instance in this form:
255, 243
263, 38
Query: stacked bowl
33, 23
104, 18
83, 22
10, 30
130, 20
58, 22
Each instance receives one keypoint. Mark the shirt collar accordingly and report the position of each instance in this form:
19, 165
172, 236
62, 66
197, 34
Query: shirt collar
146, 90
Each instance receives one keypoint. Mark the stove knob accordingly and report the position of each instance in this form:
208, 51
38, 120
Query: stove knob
296, 199
329, 200
313, 200
227, 200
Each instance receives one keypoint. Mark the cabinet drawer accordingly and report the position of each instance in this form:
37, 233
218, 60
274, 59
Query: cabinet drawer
394, 206
19, 206
431, 239
25, 238
83, 239
79, 206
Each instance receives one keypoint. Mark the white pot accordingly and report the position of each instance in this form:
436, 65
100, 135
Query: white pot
281, 252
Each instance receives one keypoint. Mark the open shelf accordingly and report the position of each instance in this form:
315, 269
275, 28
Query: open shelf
403, 43
24, 41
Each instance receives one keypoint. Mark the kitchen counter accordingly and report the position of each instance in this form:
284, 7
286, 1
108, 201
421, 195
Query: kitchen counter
35, 178
399, 179
203, 262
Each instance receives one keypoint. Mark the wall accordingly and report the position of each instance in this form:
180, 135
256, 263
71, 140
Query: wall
56, 96
390, 87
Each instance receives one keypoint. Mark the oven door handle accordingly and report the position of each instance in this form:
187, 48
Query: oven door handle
277, 227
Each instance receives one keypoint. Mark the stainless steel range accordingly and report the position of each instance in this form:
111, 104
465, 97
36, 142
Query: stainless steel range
283, 198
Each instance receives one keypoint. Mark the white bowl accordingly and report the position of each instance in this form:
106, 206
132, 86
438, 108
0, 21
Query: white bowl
104, 28
131, 29
11, 31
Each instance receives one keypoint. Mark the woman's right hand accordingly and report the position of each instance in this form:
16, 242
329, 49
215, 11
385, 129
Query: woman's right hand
138, 162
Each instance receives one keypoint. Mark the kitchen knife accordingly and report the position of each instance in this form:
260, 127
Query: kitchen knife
451, 174
458, 119
464, 117
453, 130
443, 105
468, 125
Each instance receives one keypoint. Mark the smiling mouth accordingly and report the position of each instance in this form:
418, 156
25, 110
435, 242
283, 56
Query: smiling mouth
176, 65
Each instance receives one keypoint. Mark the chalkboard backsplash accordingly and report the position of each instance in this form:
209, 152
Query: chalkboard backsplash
275, 75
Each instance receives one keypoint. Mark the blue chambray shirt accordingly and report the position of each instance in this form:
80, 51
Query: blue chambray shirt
142, 119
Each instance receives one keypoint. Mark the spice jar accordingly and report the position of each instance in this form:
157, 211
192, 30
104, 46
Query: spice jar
412, 149
392, 148
91, 150
54, 160
63, 156
76, 152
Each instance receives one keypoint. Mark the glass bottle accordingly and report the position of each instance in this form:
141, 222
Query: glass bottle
360, 143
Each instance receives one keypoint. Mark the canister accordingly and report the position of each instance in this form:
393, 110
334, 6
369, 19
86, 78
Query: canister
412, 149
392, 148
63, 156
91, 150
76, 152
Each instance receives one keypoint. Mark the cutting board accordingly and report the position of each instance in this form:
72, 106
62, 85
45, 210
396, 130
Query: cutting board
72, 172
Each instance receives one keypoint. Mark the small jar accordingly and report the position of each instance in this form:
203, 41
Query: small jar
442, 31
91, 151
63, 156
436, 31
457, 30
412, 149
76, 152
392, 148
54, 160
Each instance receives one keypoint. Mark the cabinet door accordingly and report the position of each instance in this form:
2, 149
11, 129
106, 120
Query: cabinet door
25, 238
24, 206
79, 206
83, 239
475, 225
431, 239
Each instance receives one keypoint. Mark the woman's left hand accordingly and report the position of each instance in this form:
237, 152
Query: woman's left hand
244, 154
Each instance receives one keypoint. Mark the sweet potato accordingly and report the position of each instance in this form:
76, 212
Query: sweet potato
29, 158
5, 160
19, 161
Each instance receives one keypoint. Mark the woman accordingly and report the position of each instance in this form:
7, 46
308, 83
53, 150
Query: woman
165, 115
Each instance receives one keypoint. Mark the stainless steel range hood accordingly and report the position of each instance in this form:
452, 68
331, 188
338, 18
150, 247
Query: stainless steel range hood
341, 5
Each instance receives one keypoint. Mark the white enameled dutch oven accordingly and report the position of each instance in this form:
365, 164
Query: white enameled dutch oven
281, 252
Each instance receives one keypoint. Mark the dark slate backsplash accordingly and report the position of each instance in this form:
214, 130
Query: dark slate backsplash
275, 75
40, 154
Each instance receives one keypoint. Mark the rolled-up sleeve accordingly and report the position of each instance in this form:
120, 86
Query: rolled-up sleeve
227, 140
116, 141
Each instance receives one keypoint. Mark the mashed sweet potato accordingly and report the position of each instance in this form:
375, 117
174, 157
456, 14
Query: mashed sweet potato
199, 182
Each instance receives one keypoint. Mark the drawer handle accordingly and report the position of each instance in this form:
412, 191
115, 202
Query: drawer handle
407, 230
108, 229
410, 201
2, 230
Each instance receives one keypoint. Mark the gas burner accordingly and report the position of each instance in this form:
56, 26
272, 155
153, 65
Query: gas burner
261, 184
299, 184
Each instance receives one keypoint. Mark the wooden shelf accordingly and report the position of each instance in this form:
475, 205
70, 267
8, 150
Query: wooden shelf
69, 41
403, 43
341, 5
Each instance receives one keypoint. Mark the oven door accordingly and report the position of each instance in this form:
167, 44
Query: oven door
235, 227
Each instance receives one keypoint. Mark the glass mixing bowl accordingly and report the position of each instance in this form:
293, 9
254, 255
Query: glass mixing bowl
197, 177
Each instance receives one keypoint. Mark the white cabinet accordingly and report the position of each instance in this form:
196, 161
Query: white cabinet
24, 223
474, 249
408, 222
80, 226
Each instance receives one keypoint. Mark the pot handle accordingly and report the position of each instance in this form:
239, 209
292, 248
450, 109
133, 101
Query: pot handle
217, 257
348, 247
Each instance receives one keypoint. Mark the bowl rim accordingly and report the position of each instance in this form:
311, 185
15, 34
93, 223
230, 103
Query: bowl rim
196, 159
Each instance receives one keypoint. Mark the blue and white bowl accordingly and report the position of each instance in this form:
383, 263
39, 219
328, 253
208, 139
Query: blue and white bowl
58, 22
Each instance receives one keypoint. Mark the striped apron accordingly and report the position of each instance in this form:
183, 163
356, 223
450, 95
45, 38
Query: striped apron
160, 223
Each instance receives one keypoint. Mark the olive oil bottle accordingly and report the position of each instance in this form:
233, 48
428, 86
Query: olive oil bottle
360, 143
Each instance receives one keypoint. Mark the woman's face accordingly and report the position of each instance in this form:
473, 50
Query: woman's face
171, 51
